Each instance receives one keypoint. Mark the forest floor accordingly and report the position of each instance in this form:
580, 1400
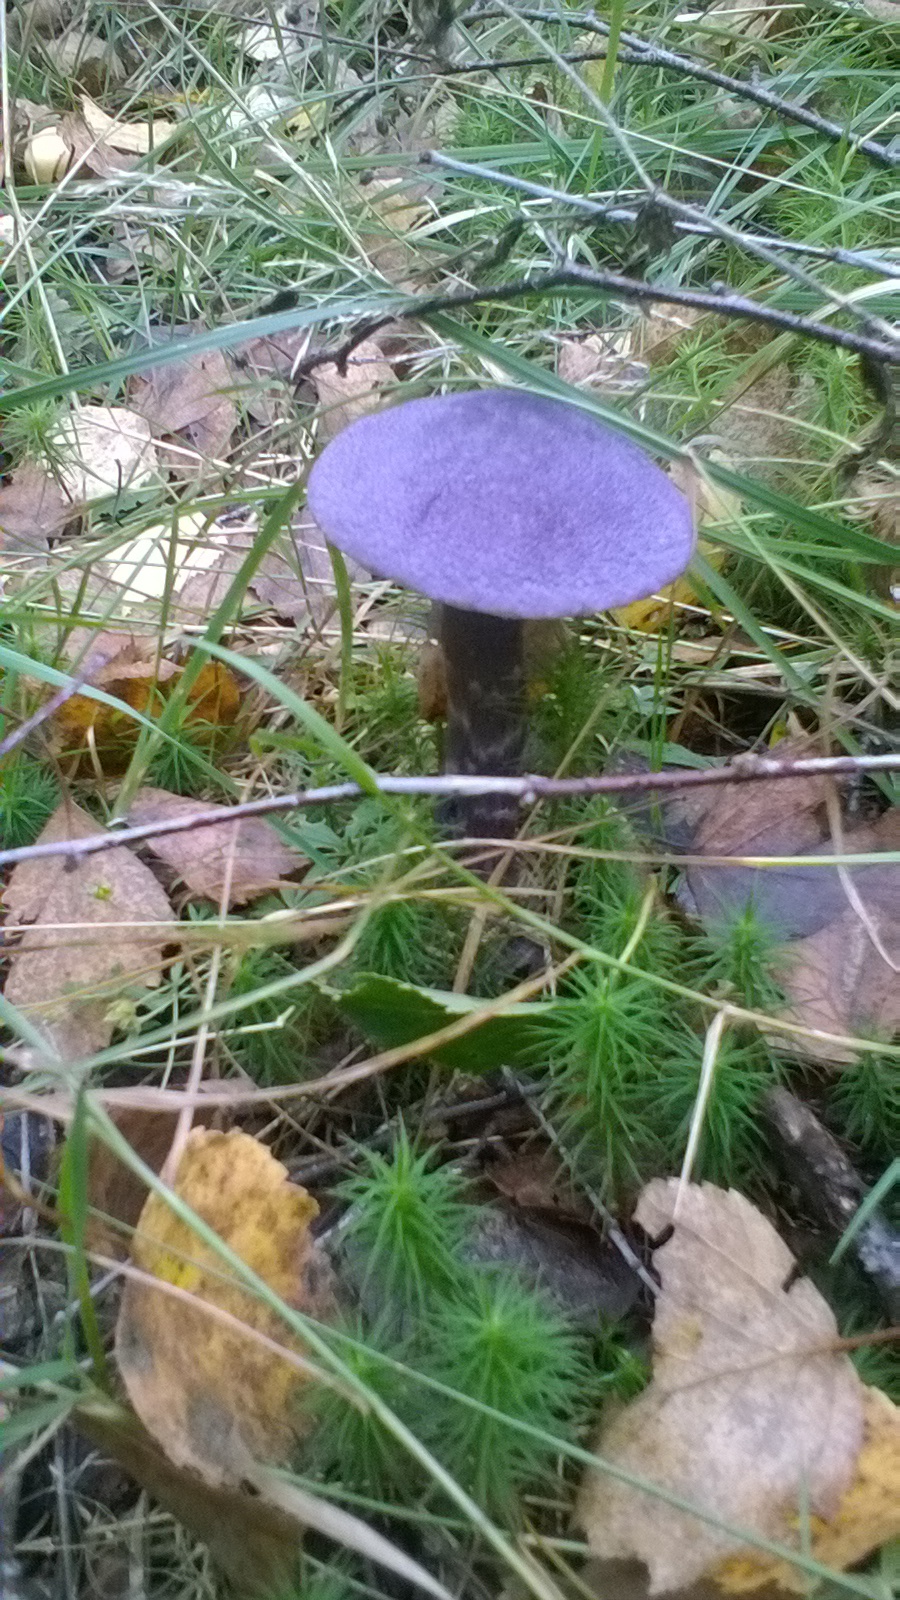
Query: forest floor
497, 1218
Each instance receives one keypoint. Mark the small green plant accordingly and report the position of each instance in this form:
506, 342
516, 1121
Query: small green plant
273, 1036
605, 1041
29, 793
507, 1348
866, 1102
409, 1220
184, 764
408, 940
737, 957
733, 1146
347, 1443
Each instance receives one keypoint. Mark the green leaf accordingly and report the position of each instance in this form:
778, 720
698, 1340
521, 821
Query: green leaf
391, 1013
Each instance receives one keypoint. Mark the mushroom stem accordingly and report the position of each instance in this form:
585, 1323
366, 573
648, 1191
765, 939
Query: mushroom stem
485, 714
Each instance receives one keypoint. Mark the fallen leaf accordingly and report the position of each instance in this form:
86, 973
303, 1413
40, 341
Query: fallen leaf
264, 370
606, 362
80, 56
749, 1416
126, 666
162, 560
249, 856
32, 509
831, 930
837, 980
396, 208
868, 1515
345, 396
209, 1392
253, 1532
295, 578
132, 138
115, 1192
188, 403
85, 732
103, 450
79, 954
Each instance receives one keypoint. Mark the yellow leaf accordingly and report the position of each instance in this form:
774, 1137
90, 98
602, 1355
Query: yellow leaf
867, 1517
211, 1393
752, 1415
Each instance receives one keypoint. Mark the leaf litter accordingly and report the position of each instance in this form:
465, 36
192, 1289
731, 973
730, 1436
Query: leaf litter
248, 859
836, 944
753, 1414
76, 955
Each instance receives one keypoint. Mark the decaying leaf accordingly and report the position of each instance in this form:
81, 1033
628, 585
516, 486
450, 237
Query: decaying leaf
210, 1393
868, 1515
345, 396
133, 138
103, 450
33, 507
81, 953
249, 856
188, 403
84, 731
606, 362
115, 1192
751, 1416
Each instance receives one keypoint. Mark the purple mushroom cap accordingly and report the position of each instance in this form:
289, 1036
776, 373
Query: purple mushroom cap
500, 501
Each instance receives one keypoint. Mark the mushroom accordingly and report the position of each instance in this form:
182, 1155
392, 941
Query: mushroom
503, 507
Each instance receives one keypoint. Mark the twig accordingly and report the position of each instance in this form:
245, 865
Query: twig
833, 1189
42, 715
612, 212
720, 302
528, 789
653, 55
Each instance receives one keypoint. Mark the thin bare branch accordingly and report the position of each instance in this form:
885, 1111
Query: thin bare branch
528, 789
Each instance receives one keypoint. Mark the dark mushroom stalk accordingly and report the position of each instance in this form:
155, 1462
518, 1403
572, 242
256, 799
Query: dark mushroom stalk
486, 722
503, 507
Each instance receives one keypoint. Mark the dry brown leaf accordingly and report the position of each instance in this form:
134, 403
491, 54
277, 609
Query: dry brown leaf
88, 59
103, 450
750, 1416
396, 208
189, 403
295, 577
867, 1517
601, 361
115, 1192
206, 859
210, 1393
264, 370
74, 983
345, 396
32, 508
837, 979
